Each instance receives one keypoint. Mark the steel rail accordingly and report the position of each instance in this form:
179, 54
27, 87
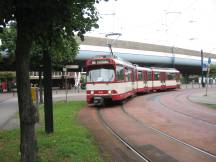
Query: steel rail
124, 142
184, 114
167, 135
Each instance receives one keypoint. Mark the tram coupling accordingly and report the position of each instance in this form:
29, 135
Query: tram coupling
98, 101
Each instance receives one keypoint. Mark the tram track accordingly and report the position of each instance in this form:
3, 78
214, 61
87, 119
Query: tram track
167, 135
121, 139
136, 148
157, 99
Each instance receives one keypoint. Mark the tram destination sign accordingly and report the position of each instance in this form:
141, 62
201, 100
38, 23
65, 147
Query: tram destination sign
100, 62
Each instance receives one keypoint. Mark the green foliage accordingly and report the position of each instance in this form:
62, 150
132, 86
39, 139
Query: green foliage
63, 51
52, 24
47, 23
83, 82
60, 16
7, 49
70, 142
213, 71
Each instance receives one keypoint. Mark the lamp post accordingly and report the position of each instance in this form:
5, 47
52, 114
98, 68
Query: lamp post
207, 76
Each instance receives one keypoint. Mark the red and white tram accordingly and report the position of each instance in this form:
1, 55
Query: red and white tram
112, 79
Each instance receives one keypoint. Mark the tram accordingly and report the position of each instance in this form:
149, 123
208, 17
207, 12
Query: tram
110, 78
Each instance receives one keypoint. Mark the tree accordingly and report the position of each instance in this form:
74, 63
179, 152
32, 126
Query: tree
61, 44
213, 71
44, 20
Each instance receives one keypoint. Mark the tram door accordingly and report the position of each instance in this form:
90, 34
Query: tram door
129, 79
133, 79
150, 80
145, 79
163, 80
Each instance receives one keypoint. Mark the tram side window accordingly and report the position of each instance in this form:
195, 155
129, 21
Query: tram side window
156, 76
149, 75
132, 72
127, 74
170, 76
140, 78
119, 73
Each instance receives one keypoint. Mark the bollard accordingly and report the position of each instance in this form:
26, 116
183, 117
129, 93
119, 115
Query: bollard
33, 94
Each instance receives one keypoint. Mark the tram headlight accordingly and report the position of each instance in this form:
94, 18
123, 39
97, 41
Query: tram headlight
109, 92
92, 92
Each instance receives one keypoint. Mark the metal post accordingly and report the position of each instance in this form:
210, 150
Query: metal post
173, 57
207, 79
66, 88
202, 74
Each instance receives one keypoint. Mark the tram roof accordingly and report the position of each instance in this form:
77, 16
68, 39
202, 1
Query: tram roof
171, 70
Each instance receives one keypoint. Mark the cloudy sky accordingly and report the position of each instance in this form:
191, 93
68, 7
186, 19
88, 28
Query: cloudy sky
181, 23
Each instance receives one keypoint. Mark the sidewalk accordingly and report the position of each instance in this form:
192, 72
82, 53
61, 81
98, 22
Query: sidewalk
6, 96
9, 105
201, 97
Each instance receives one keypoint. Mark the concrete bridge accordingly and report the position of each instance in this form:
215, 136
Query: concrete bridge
187, 61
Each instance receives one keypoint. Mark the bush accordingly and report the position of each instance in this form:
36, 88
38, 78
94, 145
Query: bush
83, 82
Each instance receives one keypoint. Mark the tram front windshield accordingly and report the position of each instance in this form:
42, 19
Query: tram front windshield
101, 74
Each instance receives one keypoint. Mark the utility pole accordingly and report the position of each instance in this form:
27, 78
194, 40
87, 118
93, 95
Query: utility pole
202, 73
207, 79
207, 76
173, 57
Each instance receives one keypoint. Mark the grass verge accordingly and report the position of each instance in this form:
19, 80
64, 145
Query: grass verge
70, 142
213, 106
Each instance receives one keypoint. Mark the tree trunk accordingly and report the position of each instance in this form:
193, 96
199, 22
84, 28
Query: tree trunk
40, 86
27, 111
48, 104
